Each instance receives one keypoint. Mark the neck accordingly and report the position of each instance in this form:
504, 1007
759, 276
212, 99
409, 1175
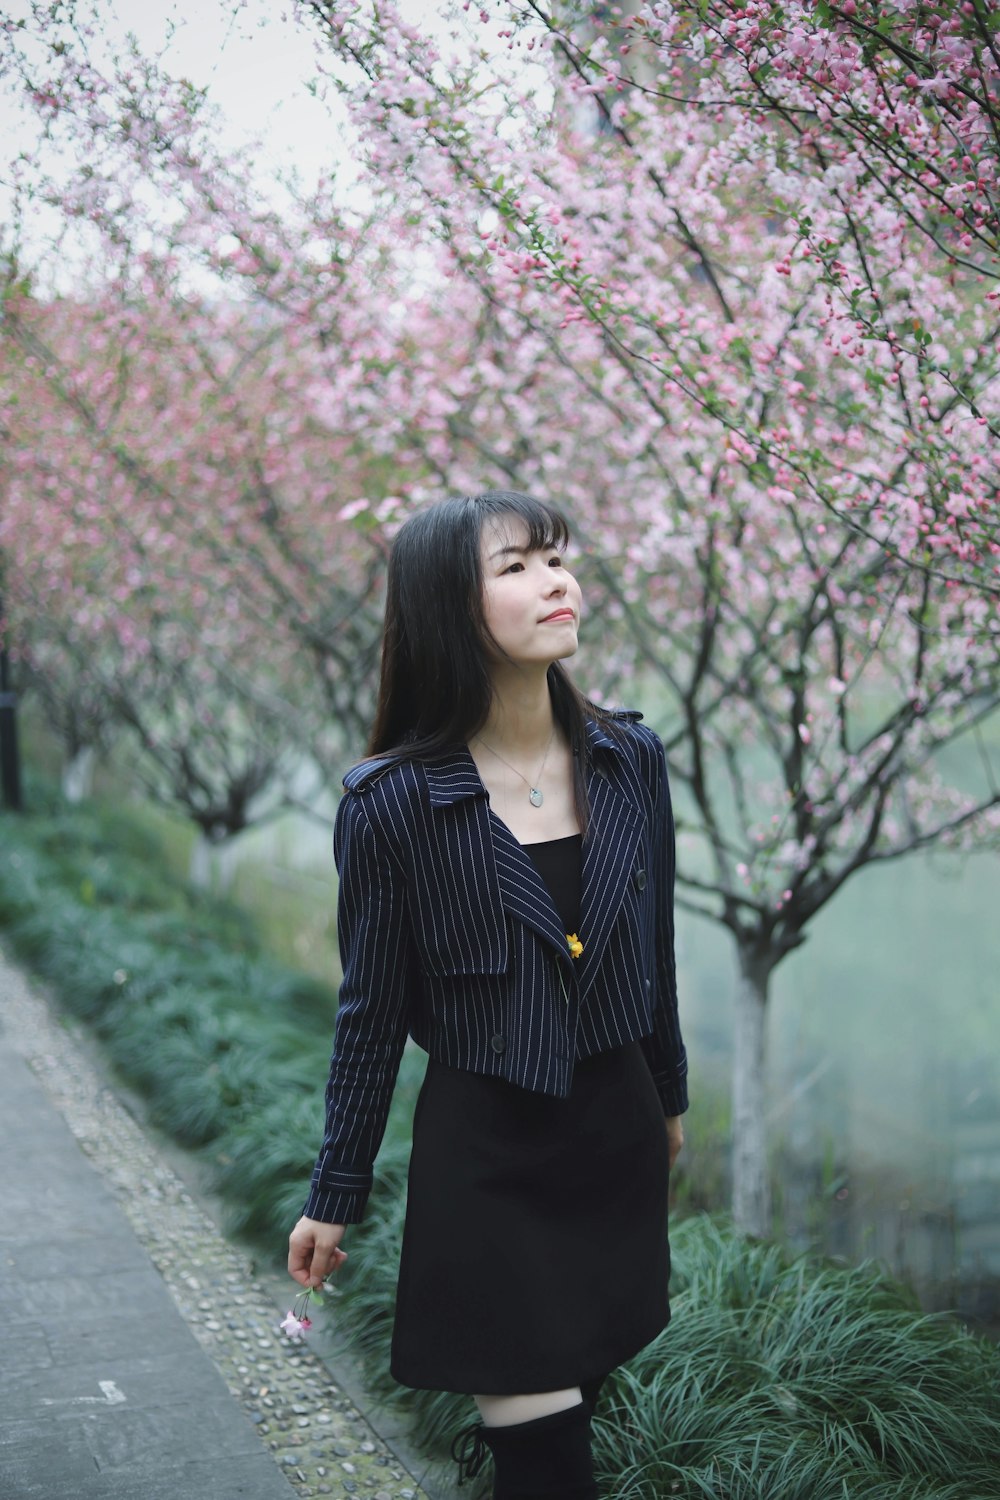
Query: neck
520, 719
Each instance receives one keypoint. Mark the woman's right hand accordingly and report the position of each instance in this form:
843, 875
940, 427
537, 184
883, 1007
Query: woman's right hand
313, 1251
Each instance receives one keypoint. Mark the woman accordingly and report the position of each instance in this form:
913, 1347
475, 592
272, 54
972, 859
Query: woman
506, 862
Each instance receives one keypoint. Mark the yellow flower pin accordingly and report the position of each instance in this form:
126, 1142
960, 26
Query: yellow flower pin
575, 946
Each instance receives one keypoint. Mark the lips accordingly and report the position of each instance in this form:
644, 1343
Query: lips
558, 614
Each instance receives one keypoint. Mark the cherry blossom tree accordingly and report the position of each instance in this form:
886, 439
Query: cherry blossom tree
115, 622
775, 194
179, 447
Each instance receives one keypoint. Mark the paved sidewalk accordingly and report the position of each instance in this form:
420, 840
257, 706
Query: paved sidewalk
141, 1357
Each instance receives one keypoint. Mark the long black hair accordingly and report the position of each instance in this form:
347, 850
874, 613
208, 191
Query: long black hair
435, 687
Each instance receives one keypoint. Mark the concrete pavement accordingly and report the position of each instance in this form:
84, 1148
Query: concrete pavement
140, 1353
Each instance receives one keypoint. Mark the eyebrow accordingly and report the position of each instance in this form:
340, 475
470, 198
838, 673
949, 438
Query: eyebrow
523, 551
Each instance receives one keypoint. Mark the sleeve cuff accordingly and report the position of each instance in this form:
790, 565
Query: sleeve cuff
670, 1082
336, 1205
673, 1095
337, 1194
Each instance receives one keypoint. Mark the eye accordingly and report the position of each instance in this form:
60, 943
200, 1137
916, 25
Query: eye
511, 566
556, 561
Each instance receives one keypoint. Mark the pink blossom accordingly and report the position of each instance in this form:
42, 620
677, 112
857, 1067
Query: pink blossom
294, 1327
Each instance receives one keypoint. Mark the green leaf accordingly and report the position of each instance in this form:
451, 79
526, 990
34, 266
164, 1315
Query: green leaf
761, 472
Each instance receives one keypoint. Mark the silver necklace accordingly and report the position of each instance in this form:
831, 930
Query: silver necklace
534, 792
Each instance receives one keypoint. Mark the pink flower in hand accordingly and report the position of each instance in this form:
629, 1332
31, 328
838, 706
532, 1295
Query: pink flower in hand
295, 1327
296, 1323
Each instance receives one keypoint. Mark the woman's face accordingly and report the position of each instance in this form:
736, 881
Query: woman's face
530, 601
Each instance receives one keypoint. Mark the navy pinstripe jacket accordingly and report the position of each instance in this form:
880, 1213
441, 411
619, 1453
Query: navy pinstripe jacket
448, 933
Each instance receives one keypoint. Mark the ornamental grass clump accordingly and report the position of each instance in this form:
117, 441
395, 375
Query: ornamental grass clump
792, 1378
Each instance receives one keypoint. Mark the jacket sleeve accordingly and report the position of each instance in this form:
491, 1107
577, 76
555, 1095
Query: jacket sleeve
664, 1049
376, 956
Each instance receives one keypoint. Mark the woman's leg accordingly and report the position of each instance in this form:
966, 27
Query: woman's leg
503, 1411
540, 1445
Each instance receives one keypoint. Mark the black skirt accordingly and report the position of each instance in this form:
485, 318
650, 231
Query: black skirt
535, 1252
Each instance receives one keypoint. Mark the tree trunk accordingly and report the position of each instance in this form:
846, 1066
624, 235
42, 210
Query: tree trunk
751, 1183
213, 864
78, 774
10, 760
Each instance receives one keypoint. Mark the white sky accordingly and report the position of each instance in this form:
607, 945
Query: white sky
256, 66
256, 61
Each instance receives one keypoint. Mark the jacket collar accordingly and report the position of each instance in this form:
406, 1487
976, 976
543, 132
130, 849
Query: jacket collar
454, 776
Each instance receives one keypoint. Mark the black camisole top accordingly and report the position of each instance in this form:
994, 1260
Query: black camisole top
560, 864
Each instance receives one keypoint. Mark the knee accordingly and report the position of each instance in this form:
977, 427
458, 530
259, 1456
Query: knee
504, 1411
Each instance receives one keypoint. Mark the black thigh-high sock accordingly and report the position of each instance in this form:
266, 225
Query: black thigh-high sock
547, 1458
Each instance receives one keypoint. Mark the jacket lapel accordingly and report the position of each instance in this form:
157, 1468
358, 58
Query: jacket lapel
608, 858
522, 890
608, 852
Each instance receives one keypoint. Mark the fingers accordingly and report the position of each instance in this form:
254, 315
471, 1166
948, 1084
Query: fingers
324, 1265
314, 1252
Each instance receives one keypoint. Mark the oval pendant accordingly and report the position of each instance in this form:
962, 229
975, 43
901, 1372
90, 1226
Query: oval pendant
535, 797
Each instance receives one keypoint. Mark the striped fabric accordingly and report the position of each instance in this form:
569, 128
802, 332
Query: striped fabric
447, 933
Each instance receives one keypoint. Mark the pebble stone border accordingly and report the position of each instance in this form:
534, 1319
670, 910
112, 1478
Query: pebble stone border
321, 1441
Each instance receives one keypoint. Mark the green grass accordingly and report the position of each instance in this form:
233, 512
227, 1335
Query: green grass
778, 1379
793, 1378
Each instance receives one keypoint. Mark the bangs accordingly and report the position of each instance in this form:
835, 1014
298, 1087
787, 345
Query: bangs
546, 526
